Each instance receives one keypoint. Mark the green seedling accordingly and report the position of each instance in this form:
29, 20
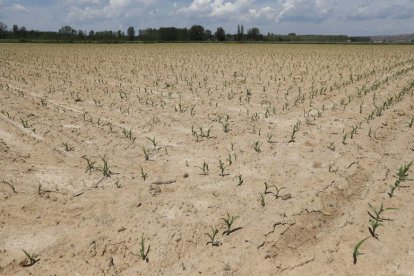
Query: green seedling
239, 180
229, 222
10, 185
91, 164
146, 153
267, 187
402, 176
278, 191
117, 184
295, 129
105, 168
262, 200
31, 260
204, 168
270, 138
356, 252
142, 252
222, 168
67, 147
212, 236
256, 146
128, 134
410, 124
229, 159
376, 220
25, 123
144, 175
153, 141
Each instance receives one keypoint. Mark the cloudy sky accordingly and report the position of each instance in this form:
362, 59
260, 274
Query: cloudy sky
351, 17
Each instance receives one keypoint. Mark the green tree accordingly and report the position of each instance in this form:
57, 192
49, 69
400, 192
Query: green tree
131, 33
196, 33
220, 34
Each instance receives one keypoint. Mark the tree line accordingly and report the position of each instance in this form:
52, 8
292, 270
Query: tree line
163, 34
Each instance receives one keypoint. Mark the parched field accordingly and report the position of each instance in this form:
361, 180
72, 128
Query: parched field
113, 154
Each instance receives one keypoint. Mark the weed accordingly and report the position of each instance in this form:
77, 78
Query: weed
212, 236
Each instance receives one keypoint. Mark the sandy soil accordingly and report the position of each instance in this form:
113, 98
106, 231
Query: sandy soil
352, 106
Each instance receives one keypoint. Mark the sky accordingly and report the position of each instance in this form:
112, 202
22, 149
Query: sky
348, 17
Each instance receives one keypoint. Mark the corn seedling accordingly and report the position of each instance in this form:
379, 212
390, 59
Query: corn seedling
144, 175
128, 134
229, 222
31, 260
256, 146
67, 147
10, 185
146, 153
25, 123
269, 138
204, 168
267, 189
153, 141
142, 252
117, 184
295, 129
356, 252
212, 236
239, 180
105, 168
222, 168
376, 220
278, 191
262, 200
402, 176
91, 164
410, 124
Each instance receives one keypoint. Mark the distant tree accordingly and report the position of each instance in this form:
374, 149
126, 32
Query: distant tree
15, 29
131, 33
254, 34
196, 33
220, 34
67, 30
208, 34
91, 34
240, 32
23, 31
81, 34
3, 30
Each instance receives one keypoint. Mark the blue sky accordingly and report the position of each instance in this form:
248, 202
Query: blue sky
351, 17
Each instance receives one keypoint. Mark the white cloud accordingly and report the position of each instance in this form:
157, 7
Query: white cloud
383, 10
18, 8
214, 8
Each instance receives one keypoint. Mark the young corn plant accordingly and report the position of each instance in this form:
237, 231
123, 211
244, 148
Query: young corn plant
239, 180
222, 168
204, 168
229, 222
256, 146
411, 123
295, 129
128, 134
402, 176
356, 252
212, 236
262, 200
105, 168
67, 147
90, 164
277, 194
146, 153
153, 141
144, 175
30, 259
144, 252
376, 220
25, 123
